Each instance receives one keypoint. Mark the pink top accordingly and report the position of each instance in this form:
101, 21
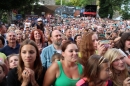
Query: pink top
83, 80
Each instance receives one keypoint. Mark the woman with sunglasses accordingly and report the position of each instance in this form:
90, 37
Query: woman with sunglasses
120, 75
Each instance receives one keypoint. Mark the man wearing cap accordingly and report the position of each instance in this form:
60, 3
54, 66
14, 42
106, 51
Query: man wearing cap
40, 24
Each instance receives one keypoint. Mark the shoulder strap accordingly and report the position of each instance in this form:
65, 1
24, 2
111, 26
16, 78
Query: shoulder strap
60, 66
110, 83
82, 82
80, 68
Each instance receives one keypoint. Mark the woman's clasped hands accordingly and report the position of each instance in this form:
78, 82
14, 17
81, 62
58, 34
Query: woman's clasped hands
28, 77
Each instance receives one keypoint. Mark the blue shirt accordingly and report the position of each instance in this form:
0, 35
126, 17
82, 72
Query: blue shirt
7, 50
46, 55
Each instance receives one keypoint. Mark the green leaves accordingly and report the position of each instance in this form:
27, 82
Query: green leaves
80, 3
14, 4
109, 6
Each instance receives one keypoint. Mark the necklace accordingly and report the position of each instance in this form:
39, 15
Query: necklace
118, 74
39, 44
100, 83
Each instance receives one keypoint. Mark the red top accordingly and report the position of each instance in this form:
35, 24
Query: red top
90, 13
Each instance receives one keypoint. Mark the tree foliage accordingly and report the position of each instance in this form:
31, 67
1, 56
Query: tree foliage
15, 4
109, 6
80, 3
58, 2
105, 9
125, 11
6, 7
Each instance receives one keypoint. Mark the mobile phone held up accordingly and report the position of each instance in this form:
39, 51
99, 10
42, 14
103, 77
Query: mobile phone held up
106, 43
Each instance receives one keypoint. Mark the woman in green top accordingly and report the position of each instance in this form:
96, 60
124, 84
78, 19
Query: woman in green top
66, 72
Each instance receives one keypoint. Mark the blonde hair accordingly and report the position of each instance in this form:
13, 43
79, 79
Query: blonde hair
11, 28
111, 55
9, 56
18, 31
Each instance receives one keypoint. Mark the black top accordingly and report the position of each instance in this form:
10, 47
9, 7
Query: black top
41, 27
71, 39
3, 83
12, 79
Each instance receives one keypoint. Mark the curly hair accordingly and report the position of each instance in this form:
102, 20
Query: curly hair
40, 32
86, 47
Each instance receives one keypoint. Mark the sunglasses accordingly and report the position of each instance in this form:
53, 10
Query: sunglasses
127, 39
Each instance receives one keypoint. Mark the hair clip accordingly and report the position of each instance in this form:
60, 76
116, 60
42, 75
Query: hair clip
101, 60
122, 52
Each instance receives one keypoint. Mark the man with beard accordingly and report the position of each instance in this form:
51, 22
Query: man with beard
55, 47
12, 46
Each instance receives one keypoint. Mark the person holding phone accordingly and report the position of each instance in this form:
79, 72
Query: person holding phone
103, 46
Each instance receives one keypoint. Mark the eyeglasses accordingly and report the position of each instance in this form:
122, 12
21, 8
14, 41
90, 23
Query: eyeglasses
127, 39
122, 58
101, 60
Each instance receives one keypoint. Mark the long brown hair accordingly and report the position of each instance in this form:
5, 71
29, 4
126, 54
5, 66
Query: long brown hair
121, 43
37, 64
93, 67
86, 47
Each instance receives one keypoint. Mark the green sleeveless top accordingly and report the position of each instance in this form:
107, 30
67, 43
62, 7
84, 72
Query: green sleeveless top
63, 80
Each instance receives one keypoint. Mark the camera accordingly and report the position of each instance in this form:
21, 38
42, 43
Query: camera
105, 43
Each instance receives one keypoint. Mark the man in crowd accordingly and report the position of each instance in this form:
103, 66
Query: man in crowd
3, 30
12, 46
68, 34
55, 47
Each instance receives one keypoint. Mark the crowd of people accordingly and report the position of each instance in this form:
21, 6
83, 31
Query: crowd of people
83, 51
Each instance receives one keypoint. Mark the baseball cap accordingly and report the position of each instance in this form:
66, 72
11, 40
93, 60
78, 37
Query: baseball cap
39, 19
